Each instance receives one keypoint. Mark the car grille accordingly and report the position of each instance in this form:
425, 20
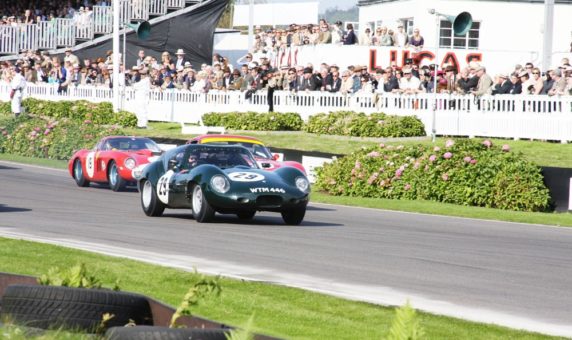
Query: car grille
269, 201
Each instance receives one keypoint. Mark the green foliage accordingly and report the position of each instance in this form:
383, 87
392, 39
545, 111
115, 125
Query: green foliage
349, 123
244, 333
204, 287
76, 276
405, 325
464, 172
50, 138
80, 110
270, 121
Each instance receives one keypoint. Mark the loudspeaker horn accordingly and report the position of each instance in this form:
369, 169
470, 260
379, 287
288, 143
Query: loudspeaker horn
462, 23
142, 29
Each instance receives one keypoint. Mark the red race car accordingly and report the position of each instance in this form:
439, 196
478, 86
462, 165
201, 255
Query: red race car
263, 156
112, 161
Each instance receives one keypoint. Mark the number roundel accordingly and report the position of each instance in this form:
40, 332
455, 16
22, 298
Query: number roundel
245, 177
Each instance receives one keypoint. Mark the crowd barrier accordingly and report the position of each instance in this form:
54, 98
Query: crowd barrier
508, 116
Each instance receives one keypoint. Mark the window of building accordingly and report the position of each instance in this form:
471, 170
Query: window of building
408, 25
469, 41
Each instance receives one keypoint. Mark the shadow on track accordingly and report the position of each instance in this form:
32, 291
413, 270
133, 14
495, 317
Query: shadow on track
5, 208
258, 220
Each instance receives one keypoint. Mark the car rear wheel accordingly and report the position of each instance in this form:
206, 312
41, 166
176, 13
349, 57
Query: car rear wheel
246, 215
80, 179
294, 217
116, 182
202, 210
150, 203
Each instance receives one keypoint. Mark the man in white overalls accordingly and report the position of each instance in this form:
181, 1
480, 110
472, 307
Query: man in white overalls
18, 85
142, 89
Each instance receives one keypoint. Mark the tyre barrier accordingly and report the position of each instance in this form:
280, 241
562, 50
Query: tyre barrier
25, 303
51, 307
161, 333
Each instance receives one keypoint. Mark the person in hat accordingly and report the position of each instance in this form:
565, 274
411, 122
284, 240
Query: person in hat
17, 86
181, 59
485, 83
502, 84
309, 83
70, 57
142, 89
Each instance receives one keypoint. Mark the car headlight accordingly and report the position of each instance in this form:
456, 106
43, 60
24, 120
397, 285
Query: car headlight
302, 184
137, 173
220, 184
129, 163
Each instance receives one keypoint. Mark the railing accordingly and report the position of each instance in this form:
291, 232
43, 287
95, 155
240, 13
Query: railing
509, 116
157, 7
176, 4
84, 26
28, 37
139, 10
65, 29
9, 40
47, 35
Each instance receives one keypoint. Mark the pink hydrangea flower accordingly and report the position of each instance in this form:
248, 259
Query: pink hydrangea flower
487, 143
506, 148
407, 187
37, 129
372, 178
382, 183
445, 177
432, 158
398, 173
447, 155
473, 161
373, 154
47, 132
357, 165
416, 165
449, 143
467, 159
382, 145
87, 121
436, 149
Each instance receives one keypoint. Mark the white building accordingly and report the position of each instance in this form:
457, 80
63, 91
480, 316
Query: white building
504, 32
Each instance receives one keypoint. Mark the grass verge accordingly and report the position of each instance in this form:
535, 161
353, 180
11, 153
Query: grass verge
426, 207
279, 311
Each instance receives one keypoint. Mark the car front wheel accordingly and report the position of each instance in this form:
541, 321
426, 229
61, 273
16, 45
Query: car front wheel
116, 182
80, 179
202, 210
294, 217
151, 204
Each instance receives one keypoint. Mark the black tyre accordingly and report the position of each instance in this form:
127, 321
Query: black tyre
202, 210
78, 175
150, 203
246, 215
294, 217
161, 333
116, 182
78, 309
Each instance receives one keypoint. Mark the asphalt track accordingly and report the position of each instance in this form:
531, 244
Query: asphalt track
511, 274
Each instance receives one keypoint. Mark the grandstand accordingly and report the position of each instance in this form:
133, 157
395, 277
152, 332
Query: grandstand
40, 25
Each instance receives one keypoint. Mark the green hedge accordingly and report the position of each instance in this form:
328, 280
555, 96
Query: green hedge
348, 123
50, 138
80, 110
464, 172
343, 123
270, 121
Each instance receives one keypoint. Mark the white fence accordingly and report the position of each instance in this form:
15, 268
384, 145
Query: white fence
47, 35
509, 116
102, 19
66, 32
9, 39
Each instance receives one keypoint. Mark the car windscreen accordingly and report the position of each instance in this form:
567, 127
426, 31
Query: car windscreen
222, 157
256, 149
132, 144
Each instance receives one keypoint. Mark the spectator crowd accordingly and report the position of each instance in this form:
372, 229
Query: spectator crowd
255, 71
34, 11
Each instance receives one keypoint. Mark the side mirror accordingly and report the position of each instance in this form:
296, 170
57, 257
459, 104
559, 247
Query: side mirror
275, 156
173, 164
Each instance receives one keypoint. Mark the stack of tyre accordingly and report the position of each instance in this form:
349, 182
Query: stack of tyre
82, 310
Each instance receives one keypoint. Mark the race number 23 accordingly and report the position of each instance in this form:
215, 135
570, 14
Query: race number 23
245, 177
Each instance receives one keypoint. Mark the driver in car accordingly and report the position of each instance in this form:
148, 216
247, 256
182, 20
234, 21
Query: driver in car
193, 160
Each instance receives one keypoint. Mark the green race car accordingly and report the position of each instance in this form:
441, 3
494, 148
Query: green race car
225, 179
